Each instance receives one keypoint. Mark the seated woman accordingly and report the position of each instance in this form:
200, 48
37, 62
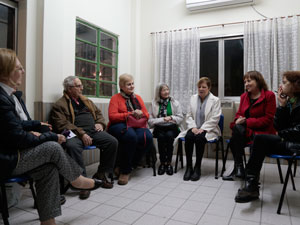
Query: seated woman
133, 142
165, 117
287, 123
202, 125
23, 150
254, 116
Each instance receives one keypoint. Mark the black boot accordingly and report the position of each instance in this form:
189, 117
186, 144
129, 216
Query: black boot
250, 192
161, 169
188, 173
197, 173
240, 171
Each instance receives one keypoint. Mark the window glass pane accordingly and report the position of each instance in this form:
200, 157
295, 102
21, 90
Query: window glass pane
107, 89
209, 65
86, 33
86, 51
7, 27
108, 41
85, 69
107, 73
234, 67
89, 87
107, 57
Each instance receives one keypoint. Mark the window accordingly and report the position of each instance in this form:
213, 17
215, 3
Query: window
96, 60
222, 60
7, 26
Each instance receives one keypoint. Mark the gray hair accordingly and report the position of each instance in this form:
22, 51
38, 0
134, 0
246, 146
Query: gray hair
69, 82
158, 89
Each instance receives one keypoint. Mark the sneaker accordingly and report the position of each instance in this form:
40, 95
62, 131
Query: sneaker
123, 179
101, 176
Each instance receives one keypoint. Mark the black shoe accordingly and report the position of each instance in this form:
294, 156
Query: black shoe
240, 171
101, 176
84, 194
161, 169
62, 200
250, 192
98, 183
169, 169
197, 174
188, 173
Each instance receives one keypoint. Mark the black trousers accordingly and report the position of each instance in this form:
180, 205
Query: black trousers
165, 139
238, 142
263, 145
107, 144
199, 140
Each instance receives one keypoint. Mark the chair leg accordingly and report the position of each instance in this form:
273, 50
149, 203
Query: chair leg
295, 167
292, 178
289, 170
279, 171
4, 208
33, 193
153, 153
217, 160
179, 153
225, 159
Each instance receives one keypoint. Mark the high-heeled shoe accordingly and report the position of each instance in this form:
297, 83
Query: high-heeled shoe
98, 183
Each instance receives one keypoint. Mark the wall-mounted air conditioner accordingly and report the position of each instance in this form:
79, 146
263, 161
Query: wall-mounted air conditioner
196, 5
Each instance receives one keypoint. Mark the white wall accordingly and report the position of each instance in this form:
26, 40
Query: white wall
160, 15
49, 62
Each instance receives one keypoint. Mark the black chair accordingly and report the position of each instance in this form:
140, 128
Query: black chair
218, 141
15, 179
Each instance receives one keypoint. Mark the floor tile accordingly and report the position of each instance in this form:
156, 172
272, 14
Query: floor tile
187, 216
208, 219
162, 211
104, 211
126, 216
150, 220
140, 206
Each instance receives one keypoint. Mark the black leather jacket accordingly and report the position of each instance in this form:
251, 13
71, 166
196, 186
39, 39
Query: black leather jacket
15, 134
287, 123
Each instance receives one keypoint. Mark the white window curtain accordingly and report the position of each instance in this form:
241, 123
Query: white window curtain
271, 47
176, 56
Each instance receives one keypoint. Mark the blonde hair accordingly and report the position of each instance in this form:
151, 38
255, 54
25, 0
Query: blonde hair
124, 78
204, 80
8, 60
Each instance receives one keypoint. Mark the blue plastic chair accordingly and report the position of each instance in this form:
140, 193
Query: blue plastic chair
15, 179
216, 141
291, 159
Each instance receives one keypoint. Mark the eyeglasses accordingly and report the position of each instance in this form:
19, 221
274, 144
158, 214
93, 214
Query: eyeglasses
78, 86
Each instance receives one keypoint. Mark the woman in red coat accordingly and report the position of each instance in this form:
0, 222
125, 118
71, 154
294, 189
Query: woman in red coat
255, 116
133, 142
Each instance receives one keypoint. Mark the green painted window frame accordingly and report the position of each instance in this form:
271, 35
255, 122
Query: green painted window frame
97, 62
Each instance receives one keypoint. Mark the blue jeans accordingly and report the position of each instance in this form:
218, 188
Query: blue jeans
133, 144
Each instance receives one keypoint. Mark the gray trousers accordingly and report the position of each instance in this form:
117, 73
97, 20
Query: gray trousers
43, 164
107, 144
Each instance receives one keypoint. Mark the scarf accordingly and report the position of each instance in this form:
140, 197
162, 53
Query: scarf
131, 101
163, 107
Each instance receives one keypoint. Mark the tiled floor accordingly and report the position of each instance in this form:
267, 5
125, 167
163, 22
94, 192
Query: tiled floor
170, 200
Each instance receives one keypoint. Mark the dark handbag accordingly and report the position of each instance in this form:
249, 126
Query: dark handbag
165, 126
133, 122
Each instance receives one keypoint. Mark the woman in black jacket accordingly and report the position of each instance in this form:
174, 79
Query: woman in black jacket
287, 124
25, 150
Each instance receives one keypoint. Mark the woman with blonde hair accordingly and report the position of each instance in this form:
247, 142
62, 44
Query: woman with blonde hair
165, 118
26, 151
133, 141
